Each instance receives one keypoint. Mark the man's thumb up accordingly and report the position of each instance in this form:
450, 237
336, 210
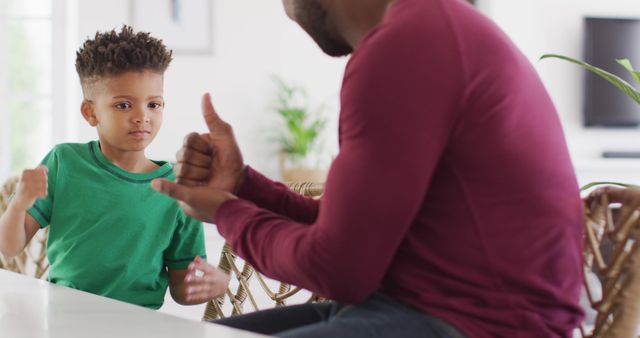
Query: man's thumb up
209, 113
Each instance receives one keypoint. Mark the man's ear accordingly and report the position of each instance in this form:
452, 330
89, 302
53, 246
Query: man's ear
86, 108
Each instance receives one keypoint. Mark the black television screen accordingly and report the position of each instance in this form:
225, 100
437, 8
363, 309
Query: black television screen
608, 39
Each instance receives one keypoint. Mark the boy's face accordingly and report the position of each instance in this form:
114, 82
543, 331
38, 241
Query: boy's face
126, 109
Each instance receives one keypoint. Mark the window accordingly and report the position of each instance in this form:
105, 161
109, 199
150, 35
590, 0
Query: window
28, 31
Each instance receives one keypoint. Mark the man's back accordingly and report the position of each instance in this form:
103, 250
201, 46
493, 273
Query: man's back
494, 246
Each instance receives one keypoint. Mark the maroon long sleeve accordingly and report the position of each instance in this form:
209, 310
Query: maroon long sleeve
453, 190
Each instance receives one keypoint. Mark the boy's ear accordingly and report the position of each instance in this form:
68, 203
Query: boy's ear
86, 108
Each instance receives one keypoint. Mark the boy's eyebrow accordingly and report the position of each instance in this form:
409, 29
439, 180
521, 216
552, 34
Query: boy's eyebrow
131, 97
122, 97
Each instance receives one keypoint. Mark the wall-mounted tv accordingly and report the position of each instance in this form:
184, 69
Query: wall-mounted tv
608, 39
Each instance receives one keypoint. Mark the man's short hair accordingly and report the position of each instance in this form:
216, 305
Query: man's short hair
112, 53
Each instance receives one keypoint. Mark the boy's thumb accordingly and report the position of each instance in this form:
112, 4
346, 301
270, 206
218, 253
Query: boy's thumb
177, 191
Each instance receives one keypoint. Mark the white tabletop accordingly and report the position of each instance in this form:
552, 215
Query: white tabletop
31, 308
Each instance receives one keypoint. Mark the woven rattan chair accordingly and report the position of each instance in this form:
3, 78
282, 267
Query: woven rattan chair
33, 259
612, 253
241, 272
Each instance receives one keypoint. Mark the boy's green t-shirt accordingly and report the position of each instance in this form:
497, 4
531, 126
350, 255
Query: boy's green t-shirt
110, 233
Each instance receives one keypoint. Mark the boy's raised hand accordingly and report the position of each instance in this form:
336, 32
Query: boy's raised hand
33, 184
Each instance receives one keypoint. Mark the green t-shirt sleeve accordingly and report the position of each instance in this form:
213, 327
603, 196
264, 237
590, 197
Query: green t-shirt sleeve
41, 210
186, 244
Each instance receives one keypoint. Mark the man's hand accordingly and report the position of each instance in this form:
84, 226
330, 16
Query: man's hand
33, 184
200, 202
209, 169
212, 159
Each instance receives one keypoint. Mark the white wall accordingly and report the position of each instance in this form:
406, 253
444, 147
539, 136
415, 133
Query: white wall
551, 26
253, 39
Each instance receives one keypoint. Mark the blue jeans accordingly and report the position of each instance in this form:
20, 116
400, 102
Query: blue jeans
377, 317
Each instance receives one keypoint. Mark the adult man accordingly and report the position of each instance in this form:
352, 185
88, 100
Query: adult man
452, 208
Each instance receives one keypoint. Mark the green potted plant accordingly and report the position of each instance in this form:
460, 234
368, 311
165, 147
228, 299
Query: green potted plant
615, 80
612, 78
298, 136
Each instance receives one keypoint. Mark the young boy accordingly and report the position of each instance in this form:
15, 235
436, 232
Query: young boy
110, 233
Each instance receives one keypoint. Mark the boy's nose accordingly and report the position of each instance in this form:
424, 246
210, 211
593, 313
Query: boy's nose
141, 116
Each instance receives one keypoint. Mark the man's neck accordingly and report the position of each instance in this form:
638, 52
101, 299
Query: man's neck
358, 17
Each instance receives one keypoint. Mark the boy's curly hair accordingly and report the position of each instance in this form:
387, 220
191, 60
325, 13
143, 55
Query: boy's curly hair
113, 53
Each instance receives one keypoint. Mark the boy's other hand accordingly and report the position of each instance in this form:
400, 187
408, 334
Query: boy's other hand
204, 282
212, 159
33, 184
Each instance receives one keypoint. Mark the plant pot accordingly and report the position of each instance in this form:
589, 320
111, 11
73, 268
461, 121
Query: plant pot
296, 171
303, 175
